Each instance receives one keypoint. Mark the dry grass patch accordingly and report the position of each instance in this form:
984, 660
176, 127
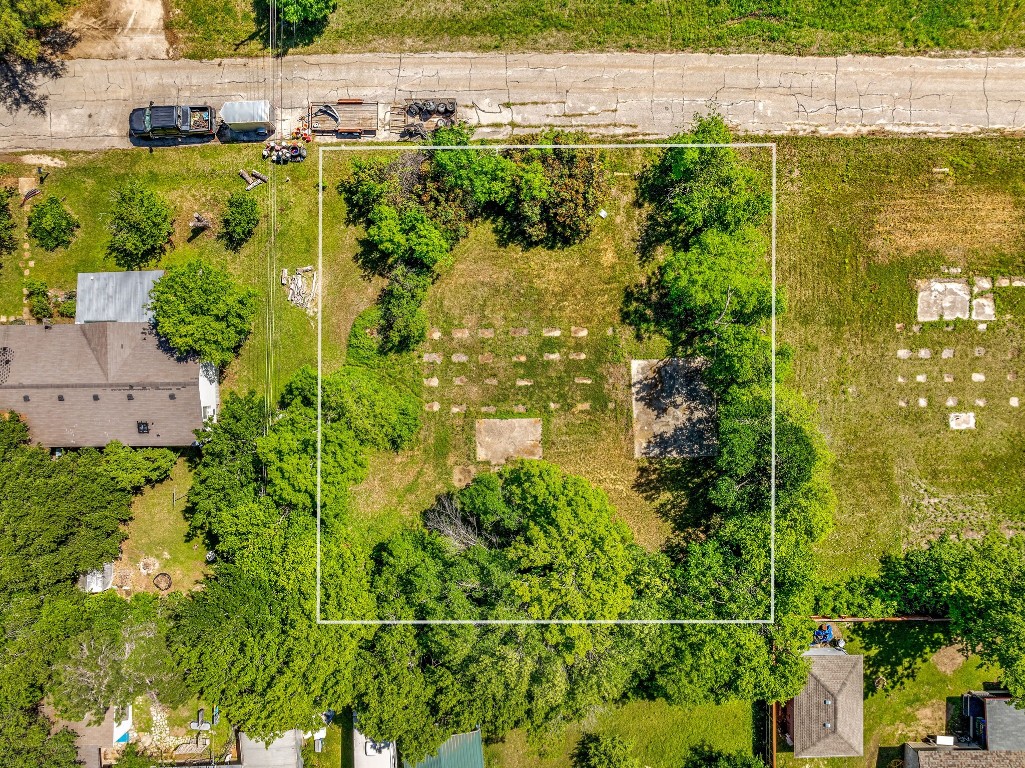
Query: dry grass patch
949, 219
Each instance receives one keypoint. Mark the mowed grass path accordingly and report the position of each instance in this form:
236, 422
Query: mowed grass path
859, 221
209, 29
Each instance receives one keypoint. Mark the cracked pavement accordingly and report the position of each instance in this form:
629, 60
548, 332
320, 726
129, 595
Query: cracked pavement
623, 94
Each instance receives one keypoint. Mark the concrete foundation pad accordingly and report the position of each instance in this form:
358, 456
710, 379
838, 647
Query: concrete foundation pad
499, 440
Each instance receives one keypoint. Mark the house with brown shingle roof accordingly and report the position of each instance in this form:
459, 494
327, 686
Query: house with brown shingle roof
88, 384
827, 717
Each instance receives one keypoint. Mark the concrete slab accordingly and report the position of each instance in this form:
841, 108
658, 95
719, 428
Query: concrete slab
499, 440
673, 410
943, 299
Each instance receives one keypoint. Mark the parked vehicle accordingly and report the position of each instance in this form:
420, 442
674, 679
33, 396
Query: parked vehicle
171, 122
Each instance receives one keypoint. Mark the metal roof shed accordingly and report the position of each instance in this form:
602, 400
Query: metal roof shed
244, 116
115, 296
463, 750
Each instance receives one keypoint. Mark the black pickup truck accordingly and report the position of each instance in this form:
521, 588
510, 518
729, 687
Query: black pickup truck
171, 122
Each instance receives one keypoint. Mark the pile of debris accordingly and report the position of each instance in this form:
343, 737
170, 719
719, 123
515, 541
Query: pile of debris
284, 152
302, 286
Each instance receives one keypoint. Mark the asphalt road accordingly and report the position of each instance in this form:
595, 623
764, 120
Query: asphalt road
629, 95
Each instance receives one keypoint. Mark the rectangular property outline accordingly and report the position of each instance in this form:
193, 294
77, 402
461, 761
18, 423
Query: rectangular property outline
320, 360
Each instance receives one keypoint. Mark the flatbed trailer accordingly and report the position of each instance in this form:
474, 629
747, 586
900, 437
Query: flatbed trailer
344, 117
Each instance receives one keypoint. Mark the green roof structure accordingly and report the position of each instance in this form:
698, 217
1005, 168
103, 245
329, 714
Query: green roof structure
463, 750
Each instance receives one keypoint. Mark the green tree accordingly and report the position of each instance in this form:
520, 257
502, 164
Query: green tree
38, 296
8, 243
241, 217
23, 25
133, 757
51, 225
692, 190
140, 226
120, 655
305, 11
199, 310
133, 469
403, 319
595, 750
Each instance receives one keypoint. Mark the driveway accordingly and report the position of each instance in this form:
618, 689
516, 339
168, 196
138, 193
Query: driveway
629, 95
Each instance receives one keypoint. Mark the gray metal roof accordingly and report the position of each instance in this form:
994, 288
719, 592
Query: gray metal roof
829, 712
1005, 726
118, 296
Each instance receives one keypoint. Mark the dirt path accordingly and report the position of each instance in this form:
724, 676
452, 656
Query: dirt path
120, 29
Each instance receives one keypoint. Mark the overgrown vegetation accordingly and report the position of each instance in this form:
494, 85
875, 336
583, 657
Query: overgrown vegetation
24, 26
8, 243
199, 310
140, 224
51, 225
58, 519
241, 217
416, 208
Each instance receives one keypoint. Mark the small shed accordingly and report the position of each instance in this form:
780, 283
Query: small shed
121, 297
245, 116
98, 580
463, 750
993, 721
827, 717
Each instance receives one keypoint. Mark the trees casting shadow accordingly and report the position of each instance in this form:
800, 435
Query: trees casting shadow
22, 80
895, 651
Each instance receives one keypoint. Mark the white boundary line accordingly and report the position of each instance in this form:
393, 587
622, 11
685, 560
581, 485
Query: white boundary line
320, 372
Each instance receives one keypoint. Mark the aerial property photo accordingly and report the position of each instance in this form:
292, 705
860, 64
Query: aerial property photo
508, 385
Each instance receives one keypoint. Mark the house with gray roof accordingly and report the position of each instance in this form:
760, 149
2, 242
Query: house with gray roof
121, 297
88, 384
827, 717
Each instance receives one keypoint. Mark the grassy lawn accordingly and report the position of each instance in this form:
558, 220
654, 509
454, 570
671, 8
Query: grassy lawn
331, 757
207, 29
860, 221
157, 531
661, 735
925, 677
199, 179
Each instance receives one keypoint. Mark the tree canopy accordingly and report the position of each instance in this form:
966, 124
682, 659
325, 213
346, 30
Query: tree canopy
140, 226
199, 310
51, 225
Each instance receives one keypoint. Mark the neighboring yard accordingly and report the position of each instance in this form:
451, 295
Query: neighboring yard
156, 538
860, 221
925, 676
661, 735
207, 29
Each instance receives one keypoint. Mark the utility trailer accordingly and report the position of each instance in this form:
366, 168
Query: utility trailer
345, 117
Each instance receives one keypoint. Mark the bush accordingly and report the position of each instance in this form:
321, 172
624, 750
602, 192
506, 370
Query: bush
51, 225
305, 11
199, 311
600, 751
7, 242
66, 308
140, 226
403, 319
240, 219
39, 304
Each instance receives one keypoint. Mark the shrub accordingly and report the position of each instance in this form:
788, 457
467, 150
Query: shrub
199, 310
140, 226
599, 751
240, 219
52, 225
305, 11
7, 242
403, 319
66, 308
39, 303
